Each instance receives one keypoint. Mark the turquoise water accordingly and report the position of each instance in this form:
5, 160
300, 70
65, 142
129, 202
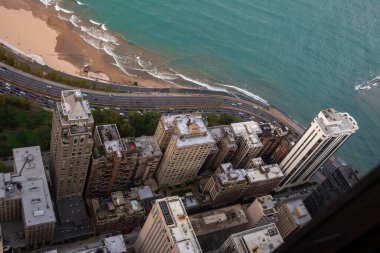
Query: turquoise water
300, 55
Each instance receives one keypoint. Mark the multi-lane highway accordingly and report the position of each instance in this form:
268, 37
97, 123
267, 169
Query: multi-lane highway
129, 98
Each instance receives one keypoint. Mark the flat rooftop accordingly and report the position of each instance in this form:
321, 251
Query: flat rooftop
148, 146
335, 123
299, 212
218, 219
247, 127
107, 133
264, 239
28, 183
231, 175
74, 107
264, 172
179, 224
115, 244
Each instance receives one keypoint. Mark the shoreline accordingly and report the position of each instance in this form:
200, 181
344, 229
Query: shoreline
61, 48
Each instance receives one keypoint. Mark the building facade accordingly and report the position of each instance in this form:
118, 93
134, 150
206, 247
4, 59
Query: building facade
271, 136
149, 157
25, 196
328, 131
291, 216
113, 162
340, 181
189, 146
167, 229
71, 144
262, 211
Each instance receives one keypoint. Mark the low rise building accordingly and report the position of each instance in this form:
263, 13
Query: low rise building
113, 163
25, 201
262, 211
167, 229
264, 239
291, 216
121, 211
213, 227
149, 157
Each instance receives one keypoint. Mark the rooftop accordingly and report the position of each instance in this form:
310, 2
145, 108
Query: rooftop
248, 132
218, 219
299, 212
270, 130
267, 204
335, 123
74, 107
264, 172
118, 204
264, 239
231, 175
179, 224
115, 244
107, 133
148, 146
28, 183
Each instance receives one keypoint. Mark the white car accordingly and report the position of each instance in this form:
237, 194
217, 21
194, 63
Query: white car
122, 114
106, 108
48, 86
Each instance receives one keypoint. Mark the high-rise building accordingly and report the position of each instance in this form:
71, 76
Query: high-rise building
283, 148
226, 147
120, 211
340, 181
264, 239
71, 144
328, 131
249, 144
149, 157
291, 216
25, 198
229, 184
167, 229
113, 163
262, 211
271, 136
188, 148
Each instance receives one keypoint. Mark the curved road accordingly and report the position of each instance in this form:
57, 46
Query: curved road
167, 100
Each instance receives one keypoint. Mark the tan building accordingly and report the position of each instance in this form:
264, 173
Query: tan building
71, 144
25, 197
262, 178
120, 211
188, 148
291, 216
113, 162
227, 184
149, 157
271, 136
249, 144
164, 132
167, 229
264, 239
262, 211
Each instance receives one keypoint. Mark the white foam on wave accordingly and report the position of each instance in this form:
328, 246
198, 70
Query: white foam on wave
118, 59
153, 71
94, 22
79, 3
104, 27
58, 8
210, 87
246, 93
99, 34
93, 42
368, 85
63, 18
75, 21
47, 2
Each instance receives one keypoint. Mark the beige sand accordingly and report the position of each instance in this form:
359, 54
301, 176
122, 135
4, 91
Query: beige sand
34, 29
32, 36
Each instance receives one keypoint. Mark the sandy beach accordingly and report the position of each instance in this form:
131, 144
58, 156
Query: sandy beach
35, 29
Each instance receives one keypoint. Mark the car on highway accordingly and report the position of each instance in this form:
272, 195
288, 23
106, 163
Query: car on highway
3, 68
48, 86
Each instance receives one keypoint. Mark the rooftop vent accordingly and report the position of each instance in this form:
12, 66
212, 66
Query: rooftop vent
38, 213
35, 201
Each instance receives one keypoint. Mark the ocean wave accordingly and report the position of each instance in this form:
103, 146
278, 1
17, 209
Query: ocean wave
210, 87
147, 67
94, 22
93, 42
75, 20
99, 34
63, 18
119, 60
57, 8
79, 3
249, 94
368, 85
104, 27
47, 2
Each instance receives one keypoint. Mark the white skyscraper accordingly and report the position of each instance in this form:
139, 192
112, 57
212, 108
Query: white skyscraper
328, 131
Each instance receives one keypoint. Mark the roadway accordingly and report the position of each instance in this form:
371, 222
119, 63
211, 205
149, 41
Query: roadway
128, 98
